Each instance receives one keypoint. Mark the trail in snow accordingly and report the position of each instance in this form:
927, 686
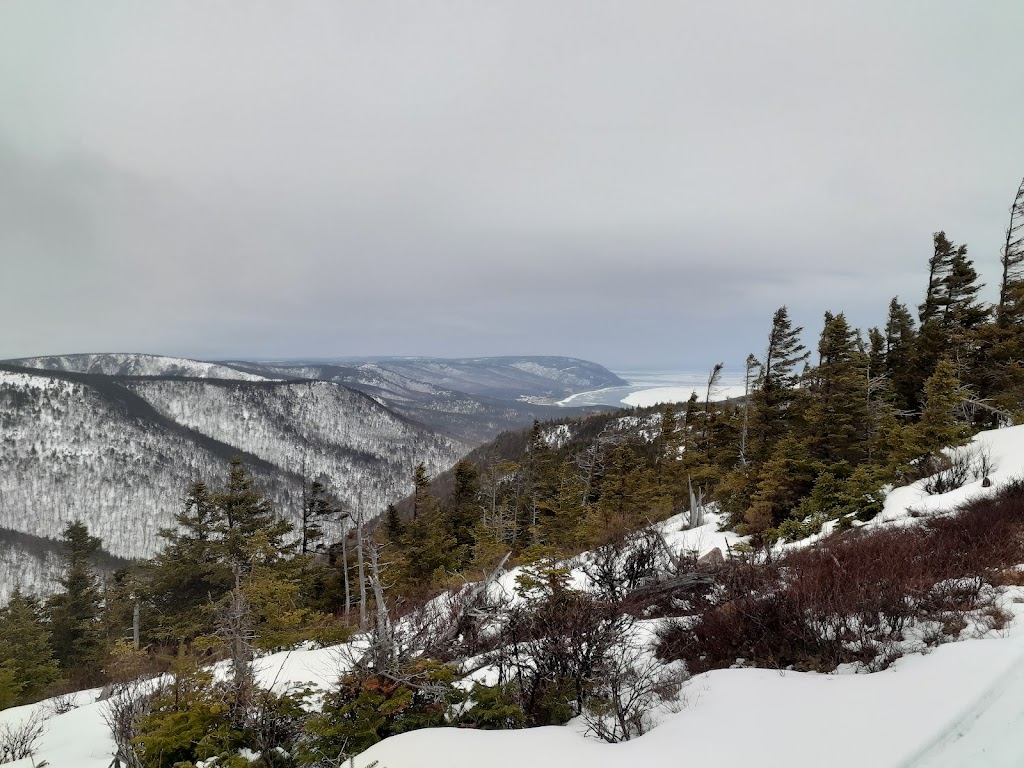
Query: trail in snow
988, 733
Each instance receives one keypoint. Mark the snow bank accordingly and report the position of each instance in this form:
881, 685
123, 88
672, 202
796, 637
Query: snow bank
1004, 449
761, 717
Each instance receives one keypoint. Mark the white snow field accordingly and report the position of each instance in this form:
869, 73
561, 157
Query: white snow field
662, 395
962, 704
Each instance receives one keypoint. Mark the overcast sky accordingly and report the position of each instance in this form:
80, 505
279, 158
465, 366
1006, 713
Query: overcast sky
630, 182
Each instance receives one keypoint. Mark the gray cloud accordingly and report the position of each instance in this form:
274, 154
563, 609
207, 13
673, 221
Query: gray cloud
640, 182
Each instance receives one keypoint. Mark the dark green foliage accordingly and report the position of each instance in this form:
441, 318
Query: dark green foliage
462, 510
773, 413
317, 507
367, 708
494, 707
192, 572
25, 656
247, 524
838, 395
75, 612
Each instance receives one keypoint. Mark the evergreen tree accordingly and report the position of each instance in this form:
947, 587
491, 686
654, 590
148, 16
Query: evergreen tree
541, 483
781, 482
462, 508
962, 312
74, 613
773, 414
876, 353
838, 408
668, 445
428, 548
1010, 309
901, 357
939, 427
393, 525
193, 570
317, 507
247, 520
421, 497
939, 266
25, 651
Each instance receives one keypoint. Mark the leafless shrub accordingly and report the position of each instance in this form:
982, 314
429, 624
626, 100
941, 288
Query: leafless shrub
618, 568
982, 462
631, 683
554, 651
18, 740
122, 710
950, 474
61, 704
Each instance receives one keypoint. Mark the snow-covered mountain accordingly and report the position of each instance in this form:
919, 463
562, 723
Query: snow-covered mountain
472, 399
119, 453
509, 378
130, 364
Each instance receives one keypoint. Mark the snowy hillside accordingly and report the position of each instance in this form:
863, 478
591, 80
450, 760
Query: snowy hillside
33, 571
363, 449
125, 364
120, 454
960, 704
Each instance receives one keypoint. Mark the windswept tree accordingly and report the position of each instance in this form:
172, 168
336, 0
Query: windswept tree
838, 408
317, 507
1010, 309
776, 392
939, 266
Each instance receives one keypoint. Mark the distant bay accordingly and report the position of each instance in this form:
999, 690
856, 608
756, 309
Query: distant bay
652, 386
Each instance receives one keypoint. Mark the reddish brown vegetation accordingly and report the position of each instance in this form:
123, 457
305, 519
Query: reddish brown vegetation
852, 597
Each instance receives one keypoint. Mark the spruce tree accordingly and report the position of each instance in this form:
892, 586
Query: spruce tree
393, 525
421, 496
939, 265
247, 520
939, 427
317, 506
773, 414
74, 612
429, 549
1010, 309
461, 510
193, 570
838, 408
901, 357
25, 650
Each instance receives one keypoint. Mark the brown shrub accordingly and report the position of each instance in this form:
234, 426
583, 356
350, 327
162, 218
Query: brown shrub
851, 597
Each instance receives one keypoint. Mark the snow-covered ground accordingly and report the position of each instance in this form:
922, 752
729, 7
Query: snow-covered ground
661, 395
962, 704
919, 712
